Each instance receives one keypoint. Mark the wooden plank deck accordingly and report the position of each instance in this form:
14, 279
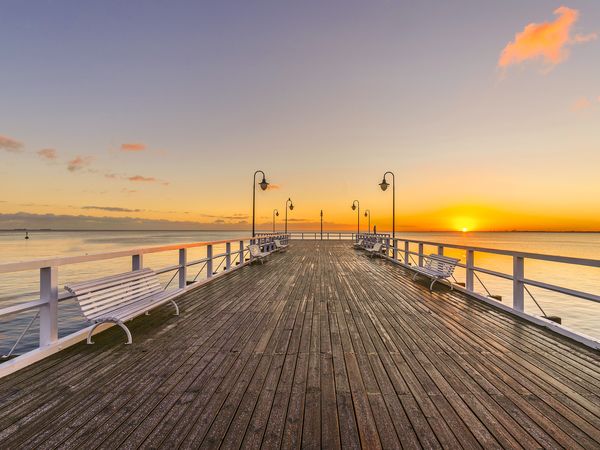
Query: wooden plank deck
320, 347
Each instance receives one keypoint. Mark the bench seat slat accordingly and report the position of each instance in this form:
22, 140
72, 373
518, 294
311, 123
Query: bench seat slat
95, 309
105, 282
98, 296
138, 308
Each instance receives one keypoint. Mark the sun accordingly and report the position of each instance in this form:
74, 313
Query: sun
464, 229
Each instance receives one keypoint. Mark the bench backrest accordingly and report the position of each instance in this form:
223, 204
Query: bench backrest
444, 265
98, 297
377, 247
278, 243
254, 250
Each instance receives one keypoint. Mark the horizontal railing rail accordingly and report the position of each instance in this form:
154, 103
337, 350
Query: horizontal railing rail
50, 295
399, 251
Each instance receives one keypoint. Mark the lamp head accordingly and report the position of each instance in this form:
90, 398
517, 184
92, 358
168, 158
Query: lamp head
366, 214
277, 213
353, 207
263, 184
384, 184
291, 206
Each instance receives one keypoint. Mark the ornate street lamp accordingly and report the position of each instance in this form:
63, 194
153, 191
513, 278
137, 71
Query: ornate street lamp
356, 204
263, 185
384, 185
368, 214
275, 213
291, 206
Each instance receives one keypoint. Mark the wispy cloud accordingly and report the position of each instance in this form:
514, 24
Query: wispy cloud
548, 41
79, 162
111, 208
273, 186
138, 147
580, 104
48, 154
10, 144
142, 179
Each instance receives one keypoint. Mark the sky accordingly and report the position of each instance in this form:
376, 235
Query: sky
138, 114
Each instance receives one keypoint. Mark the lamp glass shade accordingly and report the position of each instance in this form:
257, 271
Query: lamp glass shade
263, 184
277, 213
366, 214
384, 185
353, 207
291, 206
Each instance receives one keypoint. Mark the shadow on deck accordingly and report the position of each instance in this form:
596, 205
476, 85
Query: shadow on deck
320, 347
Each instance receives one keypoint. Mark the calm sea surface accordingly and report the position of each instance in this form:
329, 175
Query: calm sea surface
580, 315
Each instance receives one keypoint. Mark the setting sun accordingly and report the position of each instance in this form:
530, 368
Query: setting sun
464, 229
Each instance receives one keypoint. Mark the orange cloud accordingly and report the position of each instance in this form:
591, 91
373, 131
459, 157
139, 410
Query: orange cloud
133, 147
273, 186
143, 179
79, 162
580, 104
140, 178
10, 145
548, 41
48, 153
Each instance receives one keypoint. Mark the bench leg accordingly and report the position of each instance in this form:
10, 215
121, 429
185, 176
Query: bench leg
415, 276
121, 324
127, 332
176, 308
431, 285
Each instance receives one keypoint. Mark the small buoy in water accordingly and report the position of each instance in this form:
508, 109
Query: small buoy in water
26, 235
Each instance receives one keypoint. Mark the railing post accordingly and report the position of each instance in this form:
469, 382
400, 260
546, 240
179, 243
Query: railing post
394, 249
420, 254
227, 255
518, 285
137, 262
49, 310
209, 261
440, 250
407, 253
182, 267
242, 258
387, 246
469, 271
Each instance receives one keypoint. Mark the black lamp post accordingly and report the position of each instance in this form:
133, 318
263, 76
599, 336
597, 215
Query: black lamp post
356, 204
291, 206
368, 214
275, 213
263, 185
384, 185
321, 224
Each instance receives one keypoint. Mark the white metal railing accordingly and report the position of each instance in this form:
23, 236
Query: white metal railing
399, 251
49, 297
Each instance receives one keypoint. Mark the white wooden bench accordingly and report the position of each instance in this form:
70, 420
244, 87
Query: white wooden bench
359, 243
119, 298
279, 246
256, 254
438, 268
375, 250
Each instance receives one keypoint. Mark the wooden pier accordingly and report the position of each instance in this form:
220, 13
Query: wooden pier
321, 347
